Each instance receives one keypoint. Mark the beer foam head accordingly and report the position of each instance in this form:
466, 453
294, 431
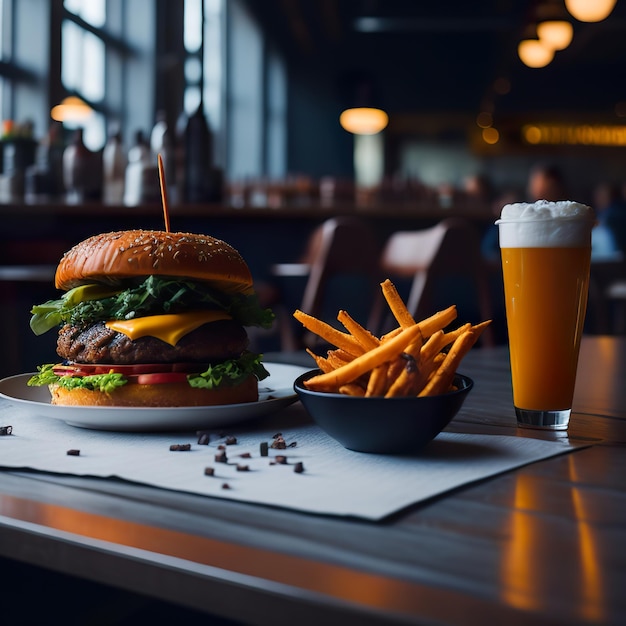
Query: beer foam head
563, 224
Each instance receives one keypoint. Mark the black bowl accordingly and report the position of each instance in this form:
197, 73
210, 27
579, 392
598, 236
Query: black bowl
382, 425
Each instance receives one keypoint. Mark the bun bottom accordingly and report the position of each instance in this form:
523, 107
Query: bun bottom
161, 395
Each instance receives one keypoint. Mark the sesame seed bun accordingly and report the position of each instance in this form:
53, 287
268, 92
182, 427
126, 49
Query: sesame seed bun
111, 258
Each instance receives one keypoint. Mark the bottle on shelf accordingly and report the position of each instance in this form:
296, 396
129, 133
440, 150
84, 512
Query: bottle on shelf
162, 143
202, 180
82, 170
114, 164
141, 184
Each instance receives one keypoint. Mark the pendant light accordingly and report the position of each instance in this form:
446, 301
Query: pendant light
363, 115
534, 53
71, 109
364, 120
557, 34
590, 10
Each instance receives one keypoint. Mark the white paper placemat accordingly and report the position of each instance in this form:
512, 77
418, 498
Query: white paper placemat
334, 481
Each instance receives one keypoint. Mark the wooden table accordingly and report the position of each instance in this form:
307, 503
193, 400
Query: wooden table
545, 544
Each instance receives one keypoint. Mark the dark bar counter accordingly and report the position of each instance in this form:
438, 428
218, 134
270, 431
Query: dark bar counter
39, 233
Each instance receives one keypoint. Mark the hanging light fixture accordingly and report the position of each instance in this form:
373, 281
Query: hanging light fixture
534, 53
553, 25
364, 120
71, 109
557, 34
362, 112
590, 10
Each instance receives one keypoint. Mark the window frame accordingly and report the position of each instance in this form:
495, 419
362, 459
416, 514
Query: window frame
143, 55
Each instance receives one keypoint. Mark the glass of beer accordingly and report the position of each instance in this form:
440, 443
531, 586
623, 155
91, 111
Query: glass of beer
546, 255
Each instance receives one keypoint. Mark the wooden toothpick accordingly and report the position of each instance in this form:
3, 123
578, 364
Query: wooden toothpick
166, 212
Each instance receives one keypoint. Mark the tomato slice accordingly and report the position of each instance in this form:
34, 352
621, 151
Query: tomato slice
88, 369
158, 379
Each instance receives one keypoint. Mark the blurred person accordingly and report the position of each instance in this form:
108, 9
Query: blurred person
546, 182
478, 187
490, 245
609, 235
490, 251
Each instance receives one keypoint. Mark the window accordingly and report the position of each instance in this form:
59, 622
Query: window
276, 116
108, 60
256, 96
241, 83
83, 73
193, 40
245, 95
213, 61
3, 26
91, 11
127, 58
204, 63
84, 63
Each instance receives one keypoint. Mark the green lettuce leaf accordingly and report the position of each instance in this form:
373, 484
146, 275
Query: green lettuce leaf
96, 382
228, 373
155, 295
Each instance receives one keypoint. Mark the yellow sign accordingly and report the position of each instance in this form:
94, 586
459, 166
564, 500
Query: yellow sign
574, 135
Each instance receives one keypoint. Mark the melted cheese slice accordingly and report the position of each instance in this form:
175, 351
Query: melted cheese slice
170, 328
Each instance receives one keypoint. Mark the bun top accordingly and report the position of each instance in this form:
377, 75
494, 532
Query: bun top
110, 258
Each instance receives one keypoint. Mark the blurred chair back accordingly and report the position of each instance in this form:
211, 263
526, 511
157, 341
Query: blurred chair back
341, 265
441, 265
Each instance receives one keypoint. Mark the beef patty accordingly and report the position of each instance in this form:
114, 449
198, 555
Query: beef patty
210, 343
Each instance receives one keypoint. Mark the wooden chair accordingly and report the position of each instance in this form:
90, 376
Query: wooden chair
340, 270
440, 265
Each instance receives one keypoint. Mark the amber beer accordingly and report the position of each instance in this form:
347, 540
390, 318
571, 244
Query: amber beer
546, 281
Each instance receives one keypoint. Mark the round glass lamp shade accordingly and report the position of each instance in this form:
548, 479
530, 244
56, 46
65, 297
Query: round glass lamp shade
71, 109
590, 10
534, 53
363, 120
557, 34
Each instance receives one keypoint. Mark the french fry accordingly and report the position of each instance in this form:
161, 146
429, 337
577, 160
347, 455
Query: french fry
478, 328
395, 368
428, 368
403, 380
432, 345
438, 321
392, 333
442, 379
397, 306
352, 389
328, 333
364, 363
408, 361
377, 383
439, 340
363, 336
430, 325
338, 358
322, 363
415, 347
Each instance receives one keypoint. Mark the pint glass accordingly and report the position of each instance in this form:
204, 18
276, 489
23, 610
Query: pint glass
546, 254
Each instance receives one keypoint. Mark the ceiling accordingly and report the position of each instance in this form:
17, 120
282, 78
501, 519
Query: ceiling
452, 56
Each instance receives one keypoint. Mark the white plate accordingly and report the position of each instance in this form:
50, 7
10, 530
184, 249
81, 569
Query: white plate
275, 392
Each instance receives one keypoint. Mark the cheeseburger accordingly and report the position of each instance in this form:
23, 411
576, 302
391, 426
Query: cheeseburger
152, 318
